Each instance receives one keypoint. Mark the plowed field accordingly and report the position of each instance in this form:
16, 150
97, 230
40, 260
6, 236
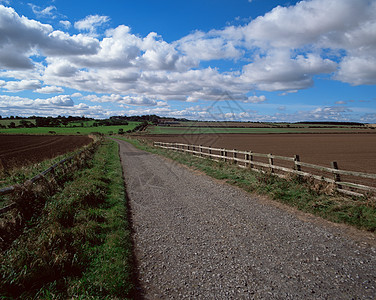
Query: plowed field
354, 152
20, 150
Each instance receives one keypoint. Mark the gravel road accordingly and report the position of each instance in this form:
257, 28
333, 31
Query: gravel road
198, 238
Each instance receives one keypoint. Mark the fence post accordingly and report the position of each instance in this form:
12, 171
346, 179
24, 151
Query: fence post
223, 154
210, 152
296, 160
246, 158
234, 156
337, 178
200, 149
251, 159
271, 162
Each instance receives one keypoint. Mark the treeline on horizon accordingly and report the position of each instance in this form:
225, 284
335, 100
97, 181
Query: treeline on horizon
36, 121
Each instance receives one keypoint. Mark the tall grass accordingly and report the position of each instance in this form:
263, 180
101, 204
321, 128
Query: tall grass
79, 246
318, 199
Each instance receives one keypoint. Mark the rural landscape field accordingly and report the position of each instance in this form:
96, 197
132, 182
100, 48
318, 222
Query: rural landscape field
188, 149
32, 150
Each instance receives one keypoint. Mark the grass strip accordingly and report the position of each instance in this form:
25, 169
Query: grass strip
302, 193
80, 246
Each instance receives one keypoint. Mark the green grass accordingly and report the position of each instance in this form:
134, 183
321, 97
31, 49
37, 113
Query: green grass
204, 130
79, 246
71, 130
316, 198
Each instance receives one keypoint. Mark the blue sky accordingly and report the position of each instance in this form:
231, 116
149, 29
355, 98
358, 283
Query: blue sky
259, 60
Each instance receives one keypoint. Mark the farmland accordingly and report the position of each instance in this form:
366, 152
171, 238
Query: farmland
355, 152
19, 150
252, 128
72, 129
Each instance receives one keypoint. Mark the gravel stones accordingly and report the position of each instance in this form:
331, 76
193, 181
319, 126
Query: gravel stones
196, 238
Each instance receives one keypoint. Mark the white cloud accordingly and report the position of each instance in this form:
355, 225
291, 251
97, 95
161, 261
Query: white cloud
128, 100
54, 106
201, 46
90, 23
279, 71
255, 99
61, 100
280, 51
66, 24
50, 90
21, 37
358, 70
17, 86
43, 12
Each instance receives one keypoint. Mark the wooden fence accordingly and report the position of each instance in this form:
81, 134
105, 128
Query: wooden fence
293, 165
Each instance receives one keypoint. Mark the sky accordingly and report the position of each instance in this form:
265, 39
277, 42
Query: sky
232, 60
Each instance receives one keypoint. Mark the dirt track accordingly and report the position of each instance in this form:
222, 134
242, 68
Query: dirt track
196, 238
20, 150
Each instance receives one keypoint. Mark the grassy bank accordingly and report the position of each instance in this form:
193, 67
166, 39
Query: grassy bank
301, 193
79, 245
19, 175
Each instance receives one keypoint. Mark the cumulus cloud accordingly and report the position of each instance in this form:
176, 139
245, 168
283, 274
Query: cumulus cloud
129, 100
15, 101
279, 71
281, 51
358, 70
21, 37
50, 90
17, 86
54, 106
202, 46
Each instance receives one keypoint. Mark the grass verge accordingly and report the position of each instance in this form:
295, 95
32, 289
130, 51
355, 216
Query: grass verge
80, 245
297, 192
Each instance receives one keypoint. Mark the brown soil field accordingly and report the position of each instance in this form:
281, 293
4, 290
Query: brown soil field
21, 150
353, 152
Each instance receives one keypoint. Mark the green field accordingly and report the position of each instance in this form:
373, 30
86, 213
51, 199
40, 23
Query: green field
204, 130
70, 130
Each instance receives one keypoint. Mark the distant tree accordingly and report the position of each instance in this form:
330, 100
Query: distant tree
12, 125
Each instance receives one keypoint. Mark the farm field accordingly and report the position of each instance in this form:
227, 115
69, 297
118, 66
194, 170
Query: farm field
253, 130
20, 150
354, 152
70, 130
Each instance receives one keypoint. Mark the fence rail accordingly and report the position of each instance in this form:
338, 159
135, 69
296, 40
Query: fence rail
246, 159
